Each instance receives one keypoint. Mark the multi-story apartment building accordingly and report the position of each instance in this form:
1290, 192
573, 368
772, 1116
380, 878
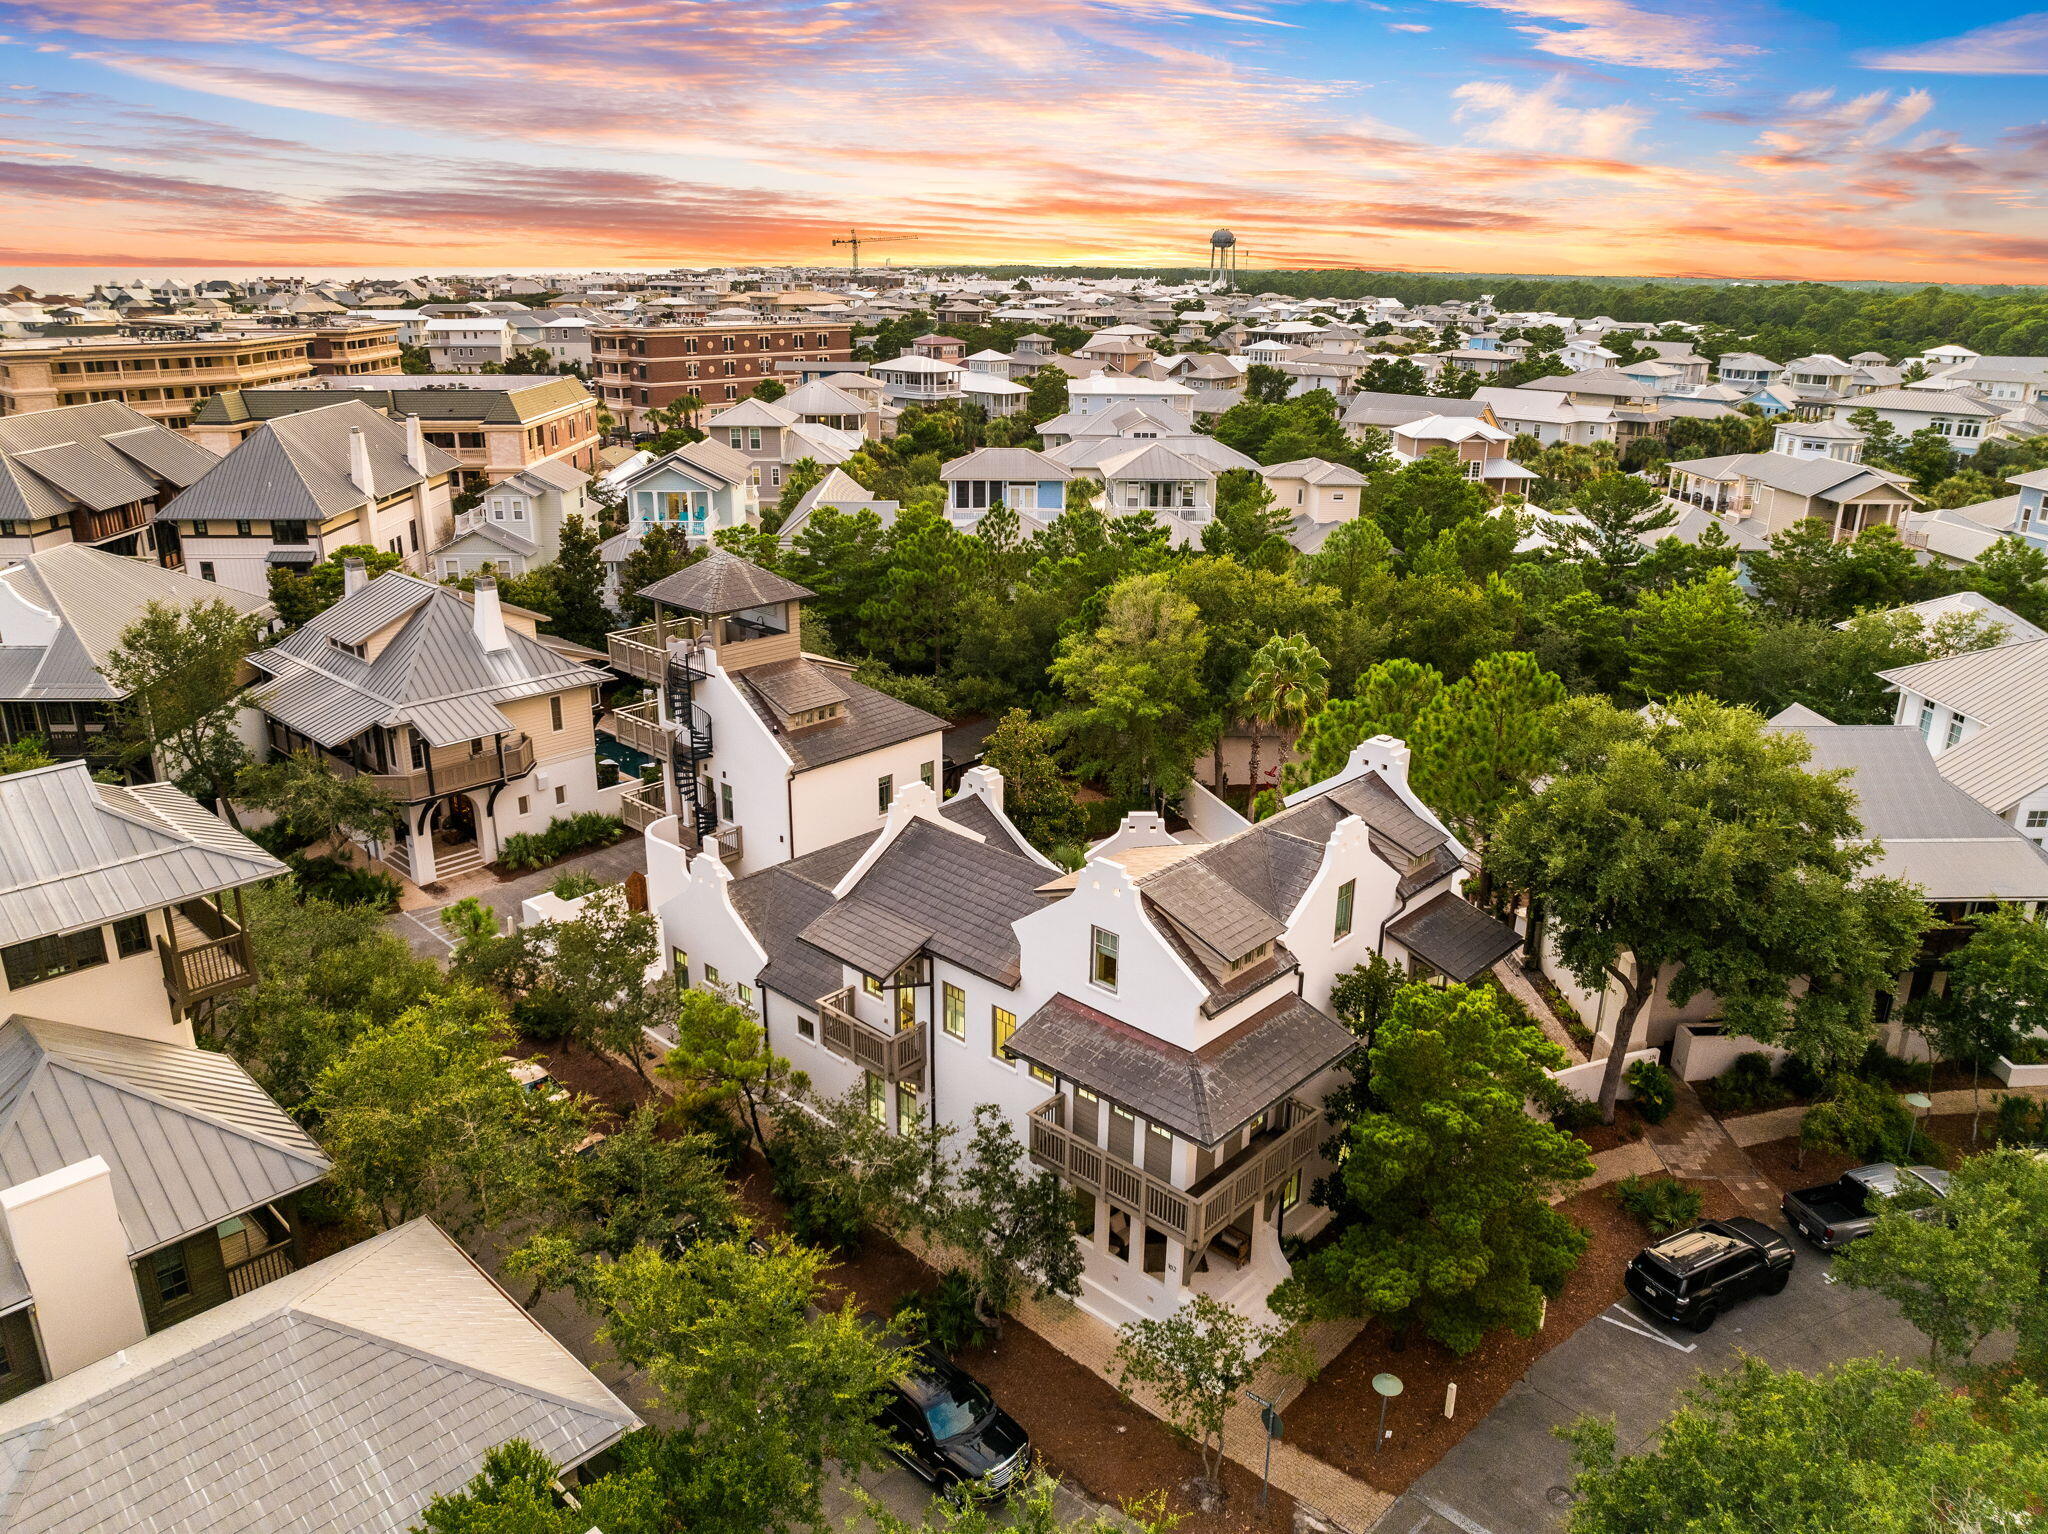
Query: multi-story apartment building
641, 368
768, 752
493, 426
1155, 1023
165, 1347
96, 474
450, 703
163, 373
307, 484
344, 348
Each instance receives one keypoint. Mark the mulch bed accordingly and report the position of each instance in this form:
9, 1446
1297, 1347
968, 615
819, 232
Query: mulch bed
1082, 1429
1626, 1129
1336, 1417
1779, 1160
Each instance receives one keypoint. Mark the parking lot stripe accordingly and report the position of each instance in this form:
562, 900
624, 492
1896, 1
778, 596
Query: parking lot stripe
1452, 1515
1630, 1325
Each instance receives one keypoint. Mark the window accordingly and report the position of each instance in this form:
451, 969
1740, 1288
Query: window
1040, 1074
885, 793
906, 1106
871, 985
562, 794
524, 804
806, 1026
555, 711
1955, 728
48, 958
244, 528
680, 962
1927, 720
131, 936
2037, 819
1001, 1025
725, 800
1102, 970
926, 773
173, 1278
745, 994
1290, 1193
1347, 894
206, 570
711, 976
877, 1098
954, 1000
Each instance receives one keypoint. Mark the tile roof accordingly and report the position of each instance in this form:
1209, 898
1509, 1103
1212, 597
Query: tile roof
74, 853
722, 582
872, 719
344, 1396
1454, 936
1204, 1095
94, 597
189, 1138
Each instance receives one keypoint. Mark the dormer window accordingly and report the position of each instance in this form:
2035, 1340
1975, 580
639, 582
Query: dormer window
349, 649
1243, 962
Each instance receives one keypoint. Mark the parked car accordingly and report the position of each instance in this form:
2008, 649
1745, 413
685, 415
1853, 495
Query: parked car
1692, 1276
949, 1430
1836, 1213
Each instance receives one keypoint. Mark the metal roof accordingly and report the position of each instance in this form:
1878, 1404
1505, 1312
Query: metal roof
189, 1139
75, 854
103, 449
722, 582
94, 597
2006, 759
1019, 463
1204, 1095
296, 468
344, 1396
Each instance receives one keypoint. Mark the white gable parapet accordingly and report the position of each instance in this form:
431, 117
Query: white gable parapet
913, 802
1389, 758
986, 784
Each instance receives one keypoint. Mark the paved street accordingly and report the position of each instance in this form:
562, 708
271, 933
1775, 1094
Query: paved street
1509, 1474
421, 927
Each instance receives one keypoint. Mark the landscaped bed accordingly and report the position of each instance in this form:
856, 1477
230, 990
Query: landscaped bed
1336, 1416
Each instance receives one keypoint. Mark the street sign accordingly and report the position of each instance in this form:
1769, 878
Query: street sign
1271, 1419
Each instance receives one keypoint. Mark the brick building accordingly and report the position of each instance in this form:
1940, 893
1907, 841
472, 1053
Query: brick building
642, 368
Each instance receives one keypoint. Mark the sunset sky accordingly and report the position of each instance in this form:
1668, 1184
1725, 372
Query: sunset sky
1746, 138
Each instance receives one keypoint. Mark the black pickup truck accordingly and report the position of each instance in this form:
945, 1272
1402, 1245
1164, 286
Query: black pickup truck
1834, 1214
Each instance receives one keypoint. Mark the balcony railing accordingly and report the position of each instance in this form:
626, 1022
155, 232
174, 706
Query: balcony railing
892, 1056
642, 807
1192, 1215
641, 728
206, 955
490, 765
641, 652
263, 1268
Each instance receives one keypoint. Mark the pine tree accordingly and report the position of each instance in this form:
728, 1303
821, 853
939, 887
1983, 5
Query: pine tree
579, 586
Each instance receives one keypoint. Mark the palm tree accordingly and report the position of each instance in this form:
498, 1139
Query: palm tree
1285, 681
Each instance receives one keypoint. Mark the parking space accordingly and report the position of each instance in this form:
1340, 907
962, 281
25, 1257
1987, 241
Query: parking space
1510, 1474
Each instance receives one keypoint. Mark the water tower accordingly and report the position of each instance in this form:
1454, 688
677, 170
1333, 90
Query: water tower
1223, 259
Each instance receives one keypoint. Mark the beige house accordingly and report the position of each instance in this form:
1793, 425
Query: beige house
164, 378
453, 706
1315, 488
1765, 493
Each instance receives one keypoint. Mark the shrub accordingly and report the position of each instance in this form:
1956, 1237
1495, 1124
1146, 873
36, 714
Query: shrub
524, 850
2032, 1050
1801, 1078
544, 1015
1867, 1121
1662, 1204
2020, 1121
815, 1218
1575, 1112
1886, 1069
574, 886
1748, 1085
1655, 1089
944, 1315
339, 883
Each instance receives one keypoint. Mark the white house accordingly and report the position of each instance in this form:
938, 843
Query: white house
1981, 715
1547, 417
1154, 1024
517, 526
914, 380
1958, 414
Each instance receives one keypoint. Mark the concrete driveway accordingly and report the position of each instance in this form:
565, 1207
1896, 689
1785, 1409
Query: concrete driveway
1509, 1475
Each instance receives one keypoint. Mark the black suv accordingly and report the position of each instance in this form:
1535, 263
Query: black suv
949, 1430
1691, 1276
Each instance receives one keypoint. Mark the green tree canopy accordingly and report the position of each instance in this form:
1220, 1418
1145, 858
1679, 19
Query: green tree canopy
179, 669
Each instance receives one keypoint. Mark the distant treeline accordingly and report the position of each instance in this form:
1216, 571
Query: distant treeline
1780, 320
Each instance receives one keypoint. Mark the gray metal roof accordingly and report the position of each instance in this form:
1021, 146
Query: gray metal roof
94, 596
1454, 936
296, 468
99, 455
189, 1138
76, 854
2002, 688
722, 582
1932, 833
1204, 1095
342, 1397
1005, 463
433, 674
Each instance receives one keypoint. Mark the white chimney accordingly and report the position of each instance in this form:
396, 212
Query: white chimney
355, 575
68, 1239
359, 462
489, 617
415, 444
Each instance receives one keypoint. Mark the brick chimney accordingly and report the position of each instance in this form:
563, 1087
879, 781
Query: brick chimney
67, 1237
488, 619
359, 471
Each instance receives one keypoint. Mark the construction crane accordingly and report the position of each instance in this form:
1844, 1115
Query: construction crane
856, 239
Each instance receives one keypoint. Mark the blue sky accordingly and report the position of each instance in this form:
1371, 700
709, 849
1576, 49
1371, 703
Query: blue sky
1756, 138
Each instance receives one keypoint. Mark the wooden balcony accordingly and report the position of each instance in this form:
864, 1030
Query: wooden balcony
1192, 1215
642, 807
207, 955
641, 728
891, 1056
263, 1268
493, 764
642, 653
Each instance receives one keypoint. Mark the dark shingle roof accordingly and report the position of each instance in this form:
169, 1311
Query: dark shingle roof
872, 719
1204, 1094
722, 582
1455, 936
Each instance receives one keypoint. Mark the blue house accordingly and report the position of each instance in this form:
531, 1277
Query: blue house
695, 490
1027, 482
